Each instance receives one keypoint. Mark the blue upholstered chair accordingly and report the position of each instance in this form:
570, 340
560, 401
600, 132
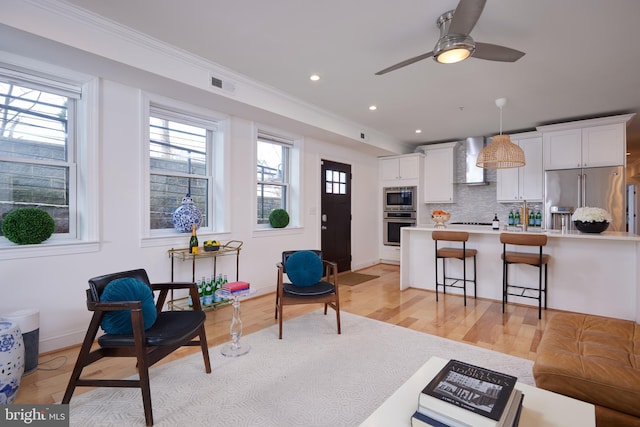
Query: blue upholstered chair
123, 305
312, 280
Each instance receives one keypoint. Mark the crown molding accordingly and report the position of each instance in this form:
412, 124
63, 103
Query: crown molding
191, 69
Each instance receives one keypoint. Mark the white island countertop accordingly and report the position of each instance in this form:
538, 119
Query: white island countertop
575, 234
592, 273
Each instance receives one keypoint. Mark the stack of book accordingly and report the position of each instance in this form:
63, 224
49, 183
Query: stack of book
464, 395
234, 287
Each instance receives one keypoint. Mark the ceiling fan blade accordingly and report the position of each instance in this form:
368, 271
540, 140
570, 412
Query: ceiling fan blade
494, 52
465, 16
405, 63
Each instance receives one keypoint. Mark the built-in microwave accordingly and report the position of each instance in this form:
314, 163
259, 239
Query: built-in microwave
399, 199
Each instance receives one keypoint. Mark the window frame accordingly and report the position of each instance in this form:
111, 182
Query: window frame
217, 174
82, 146
292, 173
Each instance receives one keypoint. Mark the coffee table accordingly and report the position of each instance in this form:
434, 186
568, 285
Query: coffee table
539, 407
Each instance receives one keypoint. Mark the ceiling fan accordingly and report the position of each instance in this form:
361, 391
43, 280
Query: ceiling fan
455, 44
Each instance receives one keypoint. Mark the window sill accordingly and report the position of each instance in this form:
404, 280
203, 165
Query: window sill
12, 251
269, 232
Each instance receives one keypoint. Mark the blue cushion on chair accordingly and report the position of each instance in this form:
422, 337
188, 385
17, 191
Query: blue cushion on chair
127, 289
304, 268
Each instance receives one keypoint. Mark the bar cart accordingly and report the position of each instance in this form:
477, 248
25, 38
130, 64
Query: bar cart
230, 248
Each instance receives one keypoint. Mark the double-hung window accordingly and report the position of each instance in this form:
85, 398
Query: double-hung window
274, 174
181, 151
38, 166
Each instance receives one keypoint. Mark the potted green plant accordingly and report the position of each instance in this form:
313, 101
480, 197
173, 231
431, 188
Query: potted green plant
28, 226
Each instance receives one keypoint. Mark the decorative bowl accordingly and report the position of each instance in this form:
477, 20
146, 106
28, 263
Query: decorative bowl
441, 219
591, 226
211, 248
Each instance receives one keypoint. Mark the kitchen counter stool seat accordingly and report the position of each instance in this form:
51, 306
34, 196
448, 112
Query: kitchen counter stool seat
460, 252
537, 259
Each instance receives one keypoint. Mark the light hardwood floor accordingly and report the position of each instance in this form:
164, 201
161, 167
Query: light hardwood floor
482, 323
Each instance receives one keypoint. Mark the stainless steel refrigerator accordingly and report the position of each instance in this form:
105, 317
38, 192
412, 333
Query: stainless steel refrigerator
592, 187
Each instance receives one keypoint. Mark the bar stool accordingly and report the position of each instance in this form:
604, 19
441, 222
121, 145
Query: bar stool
461, 253
538, 260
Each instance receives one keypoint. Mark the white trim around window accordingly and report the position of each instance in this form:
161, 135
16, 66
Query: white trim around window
295, 180
85, 237
219, 193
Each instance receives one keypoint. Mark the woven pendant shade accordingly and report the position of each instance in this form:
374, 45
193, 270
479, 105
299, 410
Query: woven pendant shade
501, 154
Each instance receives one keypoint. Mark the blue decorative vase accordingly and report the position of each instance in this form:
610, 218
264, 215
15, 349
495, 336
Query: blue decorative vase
186, 215
11, 361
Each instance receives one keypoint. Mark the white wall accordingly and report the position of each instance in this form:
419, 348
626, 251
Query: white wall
56, 284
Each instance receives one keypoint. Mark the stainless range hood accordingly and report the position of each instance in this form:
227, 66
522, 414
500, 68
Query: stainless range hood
473, 174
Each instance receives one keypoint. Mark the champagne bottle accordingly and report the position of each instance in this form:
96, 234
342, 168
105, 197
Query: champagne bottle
193, 242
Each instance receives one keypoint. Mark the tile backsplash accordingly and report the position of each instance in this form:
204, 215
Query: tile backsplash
476, 203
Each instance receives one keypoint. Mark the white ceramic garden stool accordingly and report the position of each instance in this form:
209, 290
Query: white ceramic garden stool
11, 360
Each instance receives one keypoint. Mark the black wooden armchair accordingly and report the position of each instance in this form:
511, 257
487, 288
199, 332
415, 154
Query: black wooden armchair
170, 331
318, 283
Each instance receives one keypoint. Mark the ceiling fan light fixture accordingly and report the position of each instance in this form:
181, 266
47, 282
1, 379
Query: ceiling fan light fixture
453, 48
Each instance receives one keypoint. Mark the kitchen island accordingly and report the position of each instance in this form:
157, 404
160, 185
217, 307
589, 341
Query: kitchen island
588, 273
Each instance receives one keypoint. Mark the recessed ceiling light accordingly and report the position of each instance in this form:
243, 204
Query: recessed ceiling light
418, 130
373, 107
314, 77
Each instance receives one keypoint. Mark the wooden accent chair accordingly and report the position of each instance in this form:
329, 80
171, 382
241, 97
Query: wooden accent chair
170, 330
537, 260
314, 280
461, 253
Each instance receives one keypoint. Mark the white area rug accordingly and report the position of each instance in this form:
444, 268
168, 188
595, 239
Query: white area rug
312, 377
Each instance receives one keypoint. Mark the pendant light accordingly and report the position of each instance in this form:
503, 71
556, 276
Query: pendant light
501, 153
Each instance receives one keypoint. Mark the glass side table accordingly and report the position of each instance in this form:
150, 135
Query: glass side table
235, 348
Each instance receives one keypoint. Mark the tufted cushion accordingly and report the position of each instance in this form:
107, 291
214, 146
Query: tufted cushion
595, 359
127, 289
304, 268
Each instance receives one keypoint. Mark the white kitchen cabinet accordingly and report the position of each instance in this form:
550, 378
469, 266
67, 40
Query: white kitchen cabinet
438, 173
604, 145
585, 143
526, 182
400, 168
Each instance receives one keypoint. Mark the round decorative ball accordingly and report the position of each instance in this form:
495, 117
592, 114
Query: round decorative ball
279, 218
28, 226
591, 226
186, 215
11, 361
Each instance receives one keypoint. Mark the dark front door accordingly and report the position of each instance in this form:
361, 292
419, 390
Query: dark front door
335, 218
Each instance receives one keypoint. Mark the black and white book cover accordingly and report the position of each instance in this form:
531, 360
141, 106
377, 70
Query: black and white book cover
476, 389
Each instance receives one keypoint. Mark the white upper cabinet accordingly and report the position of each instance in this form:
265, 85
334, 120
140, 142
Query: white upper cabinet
604, 145
524, 183
438, 173
585, 143
396, 169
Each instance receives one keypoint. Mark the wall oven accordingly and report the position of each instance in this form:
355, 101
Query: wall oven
399, 199
392, 226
